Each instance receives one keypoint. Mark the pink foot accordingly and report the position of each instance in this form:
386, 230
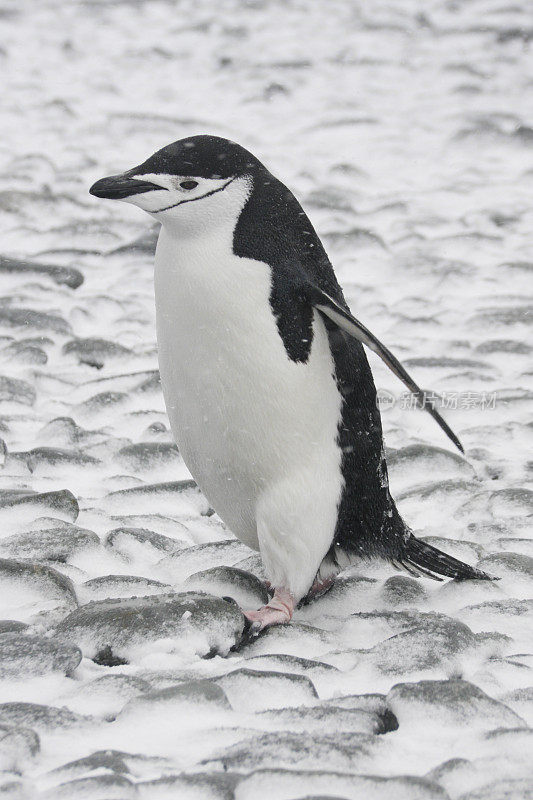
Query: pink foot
278, 611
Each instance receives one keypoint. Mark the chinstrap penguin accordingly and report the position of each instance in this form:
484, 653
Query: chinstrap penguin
267, 386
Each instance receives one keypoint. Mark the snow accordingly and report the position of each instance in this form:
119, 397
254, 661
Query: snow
406, 132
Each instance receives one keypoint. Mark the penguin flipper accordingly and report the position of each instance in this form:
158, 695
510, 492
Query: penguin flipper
348, 323
420, 558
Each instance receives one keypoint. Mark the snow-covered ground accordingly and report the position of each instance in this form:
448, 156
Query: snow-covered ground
406, 129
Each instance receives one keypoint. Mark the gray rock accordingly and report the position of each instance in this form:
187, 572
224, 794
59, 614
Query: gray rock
521, 789
132, 543
14, 390
44, 585
185, 698
407, 464
373, 704
63, 431
154, 523
503, 346
511, 503
101, 402
146, 456
449, 704
512, 565
12, 626
288, 784
14, 789
8, 496
23, 656
291, 639
42, 718
144, 244
348, 594
502, 317
150, 385
453, 594
166, 497
327, 197
281, 662
63, 276
103, 697
158, 431
25, 353
194, 621
367, 628
461, 549
113, 586
26, 507
459, 776
515, 545
253, 564
58, 457
434, 641
345, 752
187, 562
519, 738
353, 238
521, 701
400, 591
18, 745
112, 761
29, 319
325, 719
101, 786
50, 544
247, 590
507, 616
451, 492
248, 690
446, 361
95, 352
192, 786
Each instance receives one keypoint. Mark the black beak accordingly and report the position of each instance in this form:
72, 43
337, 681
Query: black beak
118, 187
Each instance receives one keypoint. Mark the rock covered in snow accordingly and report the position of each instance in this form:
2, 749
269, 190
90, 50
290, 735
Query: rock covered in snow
111, 586
188, 622
247, 590
50, 544
143, 544
42, 718
448, 704
22, 508
434, 640
18, 745
24, 655
249, 690
29, 588
182, 564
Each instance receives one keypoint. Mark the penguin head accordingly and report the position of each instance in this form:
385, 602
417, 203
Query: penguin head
189, 185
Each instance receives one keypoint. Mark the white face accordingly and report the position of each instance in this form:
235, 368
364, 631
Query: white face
189, 205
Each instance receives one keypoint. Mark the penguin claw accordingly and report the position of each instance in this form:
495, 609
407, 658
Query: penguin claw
278, 612
265, 617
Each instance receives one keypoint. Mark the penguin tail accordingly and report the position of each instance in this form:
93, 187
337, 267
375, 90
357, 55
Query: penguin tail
420, 558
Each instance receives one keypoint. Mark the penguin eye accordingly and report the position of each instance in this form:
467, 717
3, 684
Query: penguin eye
189, 184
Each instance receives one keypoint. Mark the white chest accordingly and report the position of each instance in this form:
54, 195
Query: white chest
243, 414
